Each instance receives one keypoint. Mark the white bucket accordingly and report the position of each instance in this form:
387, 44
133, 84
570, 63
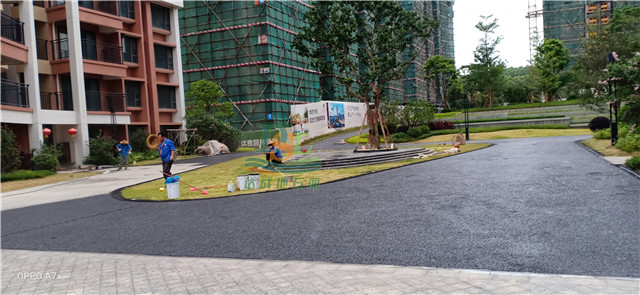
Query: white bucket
173, 190
255, 178
241, 181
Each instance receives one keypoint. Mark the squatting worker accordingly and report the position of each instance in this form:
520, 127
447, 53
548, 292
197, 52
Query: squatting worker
125, 149
274, 154
167, 152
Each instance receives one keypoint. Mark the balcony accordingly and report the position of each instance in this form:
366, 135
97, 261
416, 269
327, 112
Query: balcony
103, 14
12, 29
98, 58
14, 94
91, 50
111, 102
60, 101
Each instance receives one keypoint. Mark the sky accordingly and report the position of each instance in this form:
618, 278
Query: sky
513, 26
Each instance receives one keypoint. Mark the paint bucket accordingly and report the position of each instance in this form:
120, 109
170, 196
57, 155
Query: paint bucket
254, 181
173, 190
241, 182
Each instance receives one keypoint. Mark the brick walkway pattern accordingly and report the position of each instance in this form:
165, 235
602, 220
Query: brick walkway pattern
40, 272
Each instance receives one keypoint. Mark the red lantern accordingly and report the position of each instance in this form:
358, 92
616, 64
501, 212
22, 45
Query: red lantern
46, 132
72, 132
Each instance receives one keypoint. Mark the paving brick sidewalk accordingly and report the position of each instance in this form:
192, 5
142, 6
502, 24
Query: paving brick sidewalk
39, 272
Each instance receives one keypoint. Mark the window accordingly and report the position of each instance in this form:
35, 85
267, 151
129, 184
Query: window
164, 56
166, 97
127, 9
129, 49
132, 93
160, 17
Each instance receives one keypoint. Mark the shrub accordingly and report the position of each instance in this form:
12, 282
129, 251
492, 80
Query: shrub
631, 113
139, 140
101, 151
400, 137
440, 125
210, 129
45, 162
24, 174
10, 153
47, 158
392, 127
417, 112
402, 129
424, 129
414, 132
623, 130
599, 123
143, 156
629, 143
633, 163
602, 134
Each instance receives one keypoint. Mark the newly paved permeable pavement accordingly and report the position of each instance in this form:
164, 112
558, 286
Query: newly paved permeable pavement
537, 205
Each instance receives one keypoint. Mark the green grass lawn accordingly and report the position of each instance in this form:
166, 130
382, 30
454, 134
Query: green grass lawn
483, 133
604, 147
214, 178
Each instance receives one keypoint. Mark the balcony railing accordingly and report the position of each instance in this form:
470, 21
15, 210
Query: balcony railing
41, 49
14, 94
38, 3
56, 101
115, 102
90, 50
12, 29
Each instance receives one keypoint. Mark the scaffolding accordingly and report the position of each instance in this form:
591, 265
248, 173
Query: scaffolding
246, 47
574, 21
534, 39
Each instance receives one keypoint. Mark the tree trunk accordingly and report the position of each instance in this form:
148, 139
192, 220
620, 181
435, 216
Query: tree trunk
374, 137
490, 97
549, 97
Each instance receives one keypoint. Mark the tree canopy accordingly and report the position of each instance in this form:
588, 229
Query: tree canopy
550, 59
486, 74
444, 71
364, 45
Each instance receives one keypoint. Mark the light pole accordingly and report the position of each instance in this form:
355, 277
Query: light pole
614, 104
466, 117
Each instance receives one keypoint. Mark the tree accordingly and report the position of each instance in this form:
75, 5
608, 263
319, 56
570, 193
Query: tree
364, 45
550, 60
443, 70
588, 80
416, 113
10, 153
487, 71
203, 97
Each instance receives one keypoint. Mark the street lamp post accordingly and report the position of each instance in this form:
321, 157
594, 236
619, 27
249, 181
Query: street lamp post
466, 116
613, 105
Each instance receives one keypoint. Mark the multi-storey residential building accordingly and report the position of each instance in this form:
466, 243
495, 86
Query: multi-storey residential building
99, 67
574, 21
245, 46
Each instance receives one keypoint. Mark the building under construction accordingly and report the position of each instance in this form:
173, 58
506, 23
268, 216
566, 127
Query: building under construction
246, 47
574, 21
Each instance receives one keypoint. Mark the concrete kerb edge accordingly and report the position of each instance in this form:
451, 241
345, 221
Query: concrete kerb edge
601, 156
117, 194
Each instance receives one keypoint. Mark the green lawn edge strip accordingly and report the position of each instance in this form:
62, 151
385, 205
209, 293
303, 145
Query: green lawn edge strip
329, 135
117, 194
509, 119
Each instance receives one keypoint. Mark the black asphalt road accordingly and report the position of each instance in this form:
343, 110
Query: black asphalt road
543, 205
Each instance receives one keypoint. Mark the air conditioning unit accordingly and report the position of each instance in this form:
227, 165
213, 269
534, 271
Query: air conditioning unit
264, 70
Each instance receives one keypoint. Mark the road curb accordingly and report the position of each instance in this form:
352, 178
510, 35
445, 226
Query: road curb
601, 156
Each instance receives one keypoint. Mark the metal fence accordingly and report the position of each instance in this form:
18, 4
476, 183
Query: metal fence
14, 94
12, 29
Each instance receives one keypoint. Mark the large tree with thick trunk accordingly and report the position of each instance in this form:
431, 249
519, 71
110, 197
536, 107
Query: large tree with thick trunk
364, 45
